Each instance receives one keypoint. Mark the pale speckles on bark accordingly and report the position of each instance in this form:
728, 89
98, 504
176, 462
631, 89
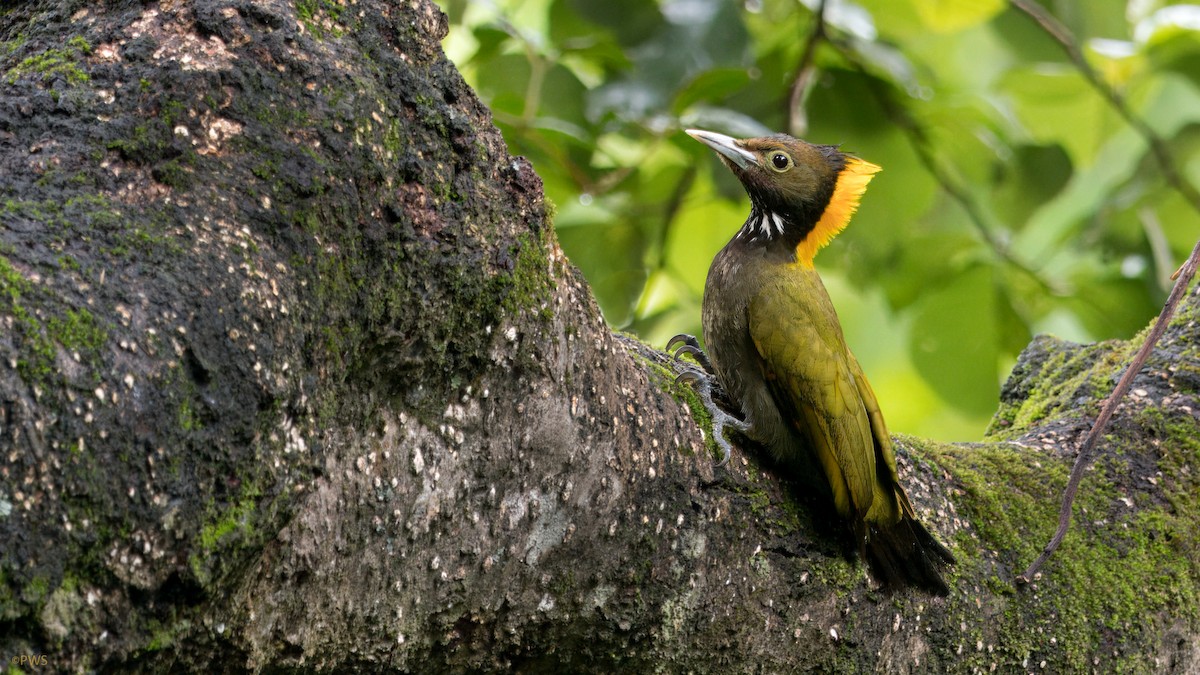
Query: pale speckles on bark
174, 36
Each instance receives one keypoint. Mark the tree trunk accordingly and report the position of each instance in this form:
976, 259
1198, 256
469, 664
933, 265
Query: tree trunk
294, 376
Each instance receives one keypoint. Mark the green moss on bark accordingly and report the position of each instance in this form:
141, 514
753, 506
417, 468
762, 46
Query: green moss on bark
53, 63
1127, 570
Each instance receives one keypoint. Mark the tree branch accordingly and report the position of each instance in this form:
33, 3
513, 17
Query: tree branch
1110, 405
805, 72
1183, 276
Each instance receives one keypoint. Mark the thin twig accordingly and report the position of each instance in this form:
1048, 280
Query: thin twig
1183, 276
805, 72
1110, 405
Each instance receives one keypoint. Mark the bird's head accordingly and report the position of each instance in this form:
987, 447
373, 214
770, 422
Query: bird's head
801, 194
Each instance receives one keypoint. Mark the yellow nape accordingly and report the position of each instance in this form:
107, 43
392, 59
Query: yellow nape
851, 184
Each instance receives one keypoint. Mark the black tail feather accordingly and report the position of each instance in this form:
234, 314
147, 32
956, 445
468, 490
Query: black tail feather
906, 554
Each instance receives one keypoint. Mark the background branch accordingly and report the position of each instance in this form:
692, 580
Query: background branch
923, 146
1158, 147
806, 71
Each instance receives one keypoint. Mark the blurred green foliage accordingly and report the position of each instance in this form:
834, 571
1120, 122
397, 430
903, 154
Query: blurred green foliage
1014, 198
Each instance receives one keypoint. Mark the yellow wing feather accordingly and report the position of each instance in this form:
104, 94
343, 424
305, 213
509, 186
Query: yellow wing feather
815, 381
889, 500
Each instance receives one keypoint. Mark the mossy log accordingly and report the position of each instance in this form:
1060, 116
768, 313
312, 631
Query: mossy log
294, 376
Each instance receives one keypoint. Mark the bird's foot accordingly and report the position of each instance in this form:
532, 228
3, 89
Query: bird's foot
721, 420
703, 381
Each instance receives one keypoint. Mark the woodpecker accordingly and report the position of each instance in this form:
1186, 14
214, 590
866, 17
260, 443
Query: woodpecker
775, 347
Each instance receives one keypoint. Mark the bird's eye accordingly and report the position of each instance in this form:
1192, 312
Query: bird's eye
781, 162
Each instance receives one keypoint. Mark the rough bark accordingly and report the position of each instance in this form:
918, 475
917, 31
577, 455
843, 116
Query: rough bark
293, 376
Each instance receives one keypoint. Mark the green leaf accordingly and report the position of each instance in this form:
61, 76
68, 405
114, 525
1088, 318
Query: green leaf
1025, 40
1014, 332
562, 96
492, 40
955, 340
710, 86
926, 260
1064, 184
1055, 221
1178, 51
1057, 105
1167, 105
502, 82
665, 309
1115, 308
632, 21
1033, 176
1168, 22
947, 16
696, 36
589, 50
698, 232
608, 250
722, 120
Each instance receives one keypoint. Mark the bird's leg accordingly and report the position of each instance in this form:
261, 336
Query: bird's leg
703, 382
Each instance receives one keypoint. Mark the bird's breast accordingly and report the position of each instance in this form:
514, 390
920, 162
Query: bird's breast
739, 276
736, 276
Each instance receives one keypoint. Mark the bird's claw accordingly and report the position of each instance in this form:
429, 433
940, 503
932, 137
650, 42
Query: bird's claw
683, 338
694, 352
691, 346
